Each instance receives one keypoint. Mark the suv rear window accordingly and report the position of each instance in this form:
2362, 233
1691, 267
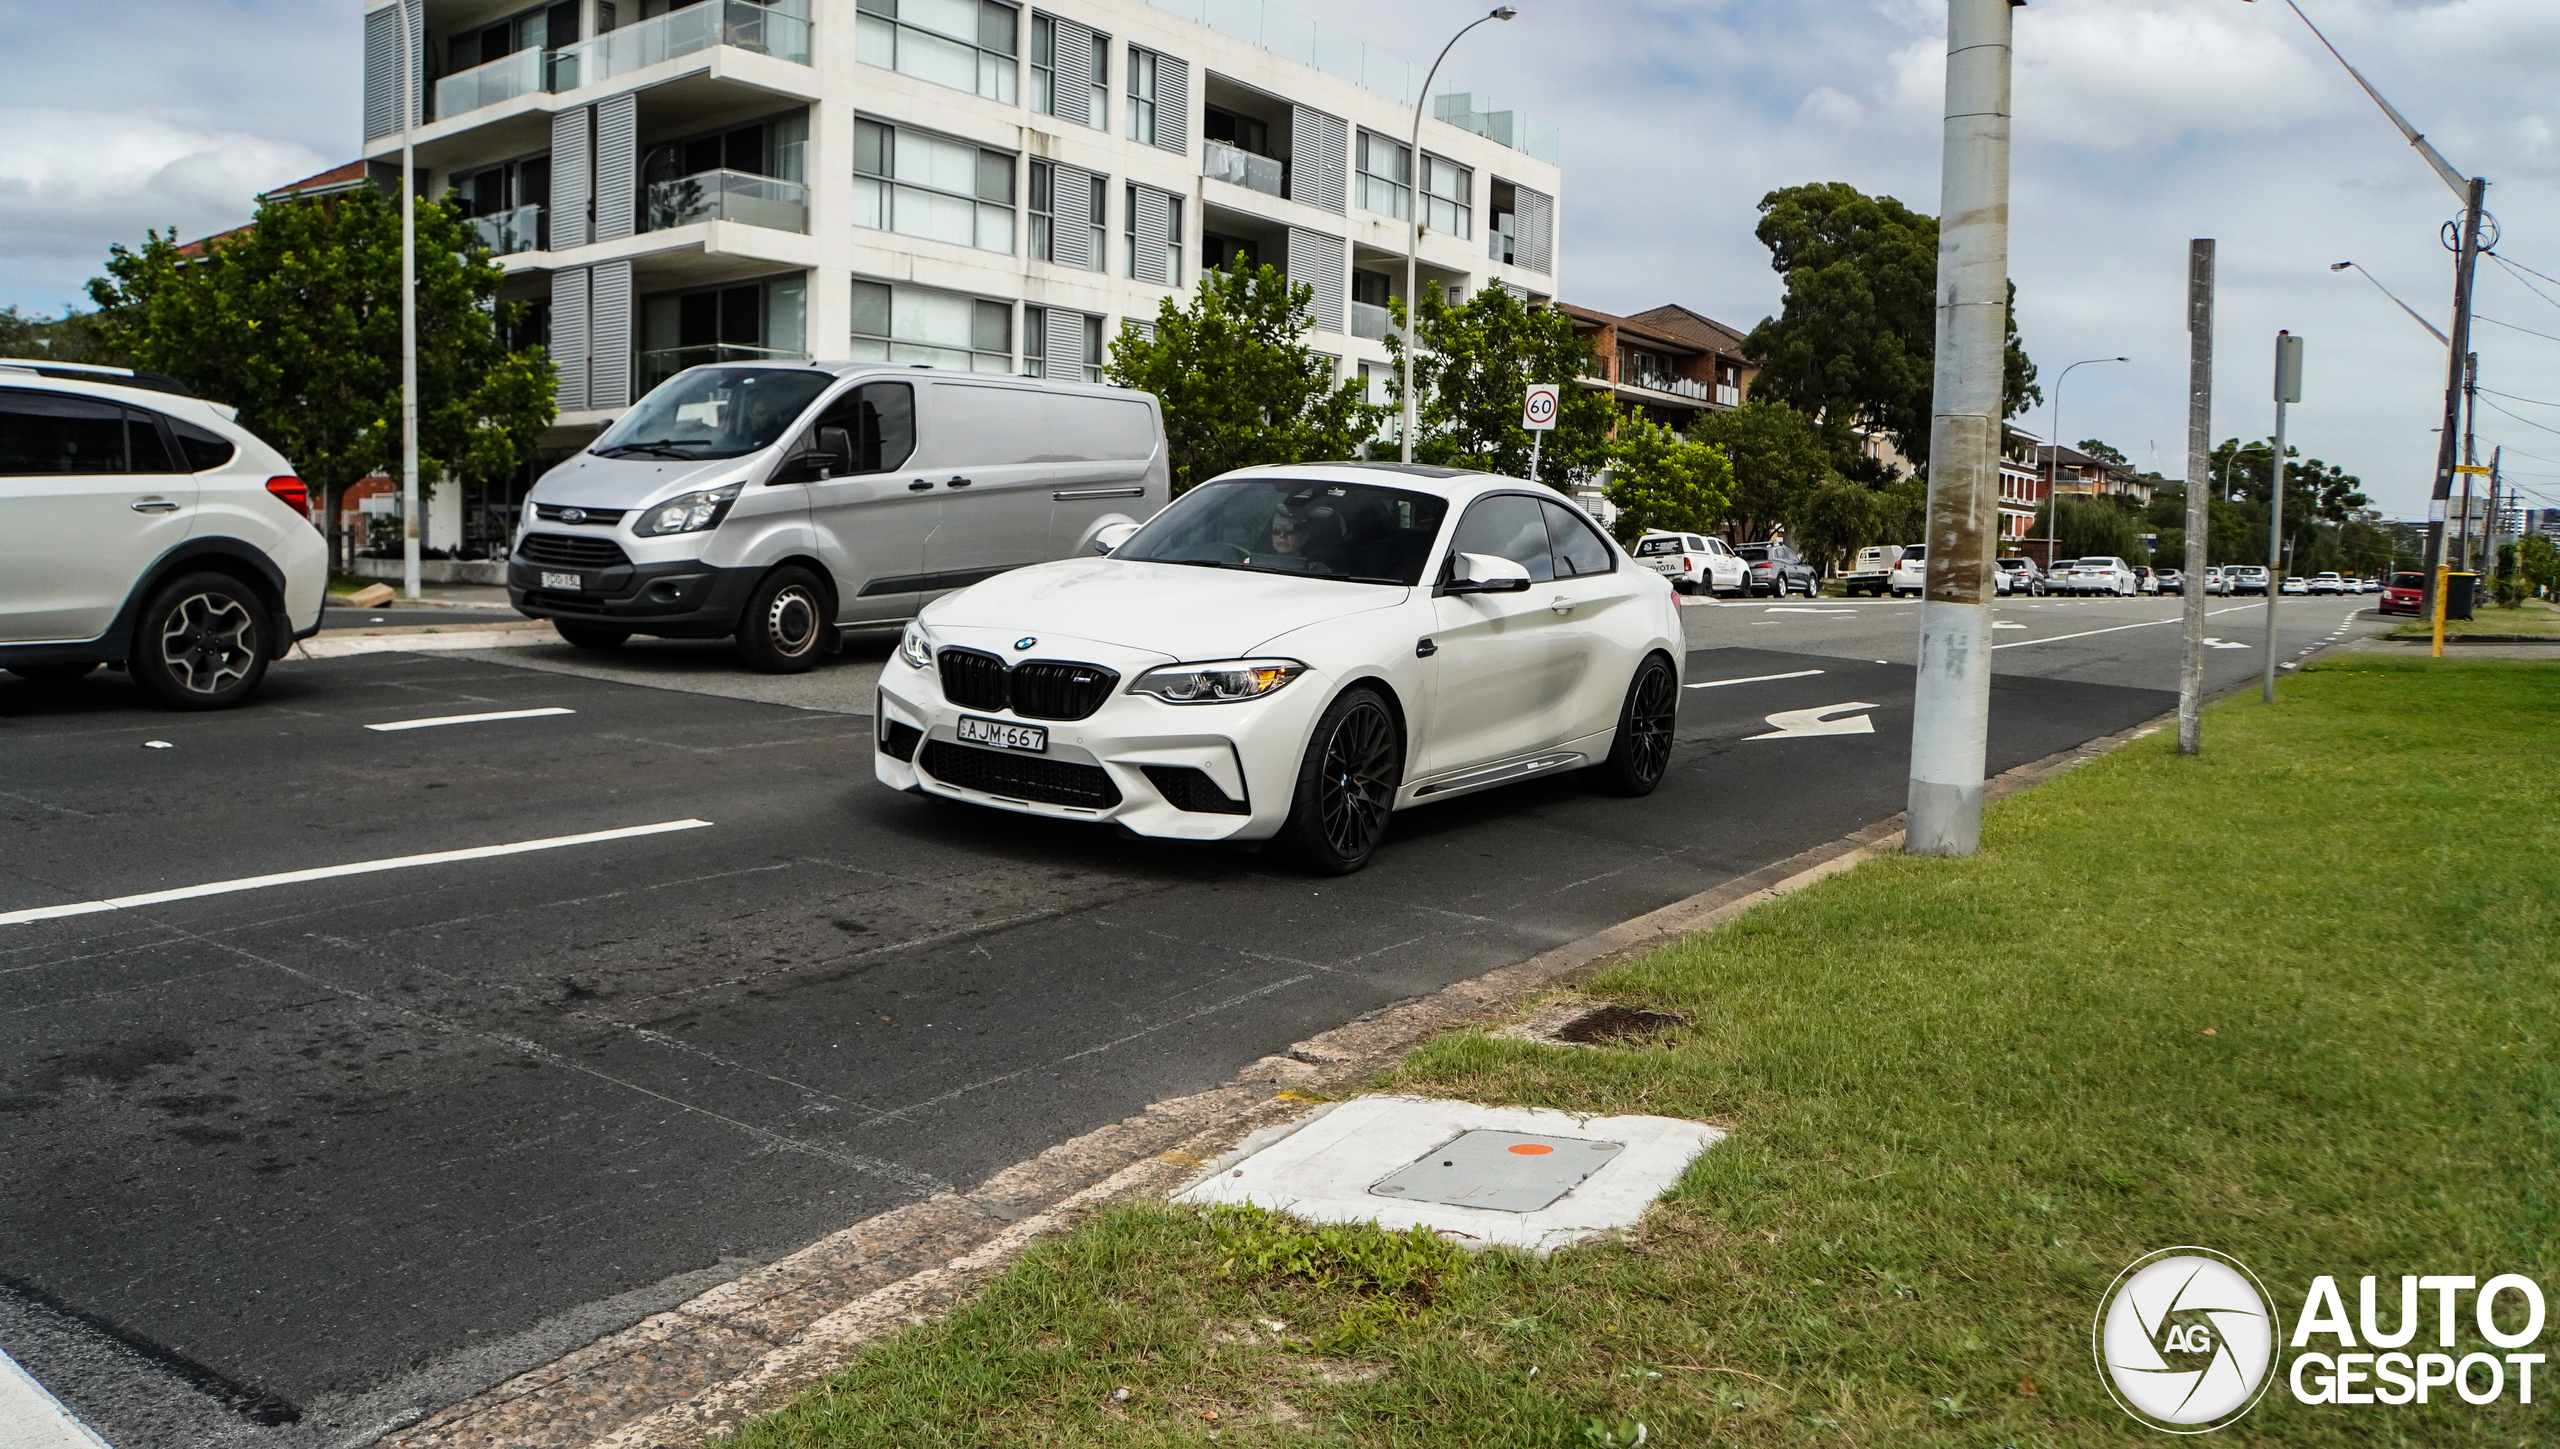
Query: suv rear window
1656, 547
1915, 553
1753, 552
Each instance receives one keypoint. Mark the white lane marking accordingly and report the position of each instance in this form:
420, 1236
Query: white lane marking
453, 719
1757, 679
2085, 633
1801, 609
1797, 724
32, 1418
331, 872
2006, 624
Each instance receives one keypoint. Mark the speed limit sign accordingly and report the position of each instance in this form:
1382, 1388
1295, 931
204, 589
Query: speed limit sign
1538, 409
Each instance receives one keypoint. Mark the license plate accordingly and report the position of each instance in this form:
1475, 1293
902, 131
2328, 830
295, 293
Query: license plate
562, 581
1031, 738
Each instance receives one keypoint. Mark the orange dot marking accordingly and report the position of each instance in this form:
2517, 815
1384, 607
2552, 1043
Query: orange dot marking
1532, 1149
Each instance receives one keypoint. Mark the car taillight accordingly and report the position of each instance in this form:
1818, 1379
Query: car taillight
295, 495
1685, 565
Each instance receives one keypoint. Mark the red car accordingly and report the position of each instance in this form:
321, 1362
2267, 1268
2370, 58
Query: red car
2405, 594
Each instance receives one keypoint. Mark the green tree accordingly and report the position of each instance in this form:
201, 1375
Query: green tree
1468, 375
71, 337
2091, 528
296, 322
2538, 563
2099, 448
1239, 384
1777, 460
1855, 342
1661, 480
1834, 519
2365, 546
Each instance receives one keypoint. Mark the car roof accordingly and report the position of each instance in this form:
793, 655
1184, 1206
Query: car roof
96, 372
166, 394
1458, 485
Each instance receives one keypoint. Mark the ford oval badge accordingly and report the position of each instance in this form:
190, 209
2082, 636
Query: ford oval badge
573, 515
1025, 642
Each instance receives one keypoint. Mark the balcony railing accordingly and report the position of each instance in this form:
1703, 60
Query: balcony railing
503, 79
1372, 321
738, 196
767, 29
1222, 162
505, 233
1728, 395
1666, 382
657, 366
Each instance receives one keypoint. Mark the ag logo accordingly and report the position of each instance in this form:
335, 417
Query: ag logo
2185, 1340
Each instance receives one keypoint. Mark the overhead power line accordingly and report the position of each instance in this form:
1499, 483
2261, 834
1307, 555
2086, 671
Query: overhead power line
2528, 422
2510, 326
2511, 397
2517, 273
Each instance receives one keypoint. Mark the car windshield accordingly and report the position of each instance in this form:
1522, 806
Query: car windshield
714, 412
1653, 547
1354, 531
2408, 581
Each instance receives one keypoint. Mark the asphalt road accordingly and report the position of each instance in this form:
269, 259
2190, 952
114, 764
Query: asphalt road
289, 1164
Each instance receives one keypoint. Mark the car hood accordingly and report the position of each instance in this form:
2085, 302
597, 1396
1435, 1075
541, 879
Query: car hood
588, 481
1177, 610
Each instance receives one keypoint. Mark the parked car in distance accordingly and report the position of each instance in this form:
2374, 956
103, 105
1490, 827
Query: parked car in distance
780, 503
2102, 575
2405, 594
1910, 572
1872, 571
2328, 583
1245, 666
143, 528
2245, 578
2172, 581
2059, 580
2293, 584
1777, 569
1693, 562
2146, 580
2023, 575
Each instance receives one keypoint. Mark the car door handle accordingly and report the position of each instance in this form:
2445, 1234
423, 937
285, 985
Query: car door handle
957, 482
1561, 605
154, 505
919, 485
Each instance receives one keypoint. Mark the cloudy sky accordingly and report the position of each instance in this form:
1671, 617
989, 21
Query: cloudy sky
2140, 124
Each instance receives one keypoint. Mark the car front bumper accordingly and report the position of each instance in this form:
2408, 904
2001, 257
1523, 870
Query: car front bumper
677, 598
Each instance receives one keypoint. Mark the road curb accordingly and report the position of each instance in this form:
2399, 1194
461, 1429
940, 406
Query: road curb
701, 1368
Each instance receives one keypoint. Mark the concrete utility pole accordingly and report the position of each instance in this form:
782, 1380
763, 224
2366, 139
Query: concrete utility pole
409, 86
2199, 489
2288, 390
2470, 453
1413, 233
1951, 726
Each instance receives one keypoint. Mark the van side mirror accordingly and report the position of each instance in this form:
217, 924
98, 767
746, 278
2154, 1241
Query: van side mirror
1110, 536
833, 456
1485, 573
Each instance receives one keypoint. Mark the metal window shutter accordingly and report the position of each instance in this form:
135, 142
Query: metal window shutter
572, 177
1173, 103
1066, 345
381, 65
617, 165
1154, 232
1317, 260
1071, 235
1141, 326
1535, 226
609, 336
1319, 159
1073, 90
569, 336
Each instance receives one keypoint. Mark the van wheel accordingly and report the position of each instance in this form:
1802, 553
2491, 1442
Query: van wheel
588, 636
51, 673
1641, 753
200, 643
784, 629
1346, 786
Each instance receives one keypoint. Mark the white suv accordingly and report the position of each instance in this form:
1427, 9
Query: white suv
142, 528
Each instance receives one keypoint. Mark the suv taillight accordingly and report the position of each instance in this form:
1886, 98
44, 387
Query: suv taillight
295, 495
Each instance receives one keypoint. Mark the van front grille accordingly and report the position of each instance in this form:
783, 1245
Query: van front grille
568, 551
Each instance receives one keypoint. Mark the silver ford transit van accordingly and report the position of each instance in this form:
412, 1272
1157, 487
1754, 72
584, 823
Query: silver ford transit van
782, 503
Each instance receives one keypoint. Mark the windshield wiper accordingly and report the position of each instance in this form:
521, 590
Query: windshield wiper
662, 447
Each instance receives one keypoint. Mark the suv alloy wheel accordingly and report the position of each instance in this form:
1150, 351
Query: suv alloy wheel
200, 643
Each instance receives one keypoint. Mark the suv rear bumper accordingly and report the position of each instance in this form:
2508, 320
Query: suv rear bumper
680, 599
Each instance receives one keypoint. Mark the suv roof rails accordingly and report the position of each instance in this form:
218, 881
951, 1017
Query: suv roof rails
97, 372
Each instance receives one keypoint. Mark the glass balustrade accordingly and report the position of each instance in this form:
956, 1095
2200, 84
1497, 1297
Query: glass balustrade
502, 79
1370, 320
505, 233
1222, 162
769, 29
738, 196
657, 366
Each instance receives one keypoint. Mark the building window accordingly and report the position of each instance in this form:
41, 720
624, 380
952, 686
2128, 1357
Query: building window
1054, 201
899, 323
1142, 96
1093, 107
1448, 197
1386, 176
1136, 262
1173, 242
919, 184
968, 45
733, 322
1098, 102
1043, 208
1080, 332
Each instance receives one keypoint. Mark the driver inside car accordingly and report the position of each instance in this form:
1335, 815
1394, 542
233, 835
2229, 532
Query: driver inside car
1308, 533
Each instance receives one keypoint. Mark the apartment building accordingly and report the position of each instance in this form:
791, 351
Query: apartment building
1668, 364
974, 184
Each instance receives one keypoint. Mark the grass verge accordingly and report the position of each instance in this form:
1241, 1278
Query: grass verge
2290, 999
2532, 617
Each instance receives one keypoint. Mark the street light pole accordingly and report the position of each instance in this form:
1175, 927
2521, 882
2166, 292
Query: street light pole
2053, 458
409, 87
2288, 390
2432, 329
1413, 233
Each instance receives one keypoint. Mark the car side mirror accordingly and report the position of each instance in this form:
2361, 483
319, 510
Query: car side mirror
1485, 573
833, 456
1111, 535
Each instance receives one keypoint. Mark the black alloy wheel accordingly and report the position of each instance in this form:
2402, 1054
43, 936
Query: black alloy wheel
200, 643
1641, 754
785, 625
1346, 785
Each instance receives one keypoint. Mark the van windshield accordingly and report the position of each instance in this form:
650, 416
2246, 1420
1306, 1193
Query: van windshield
715, 412
1352, 531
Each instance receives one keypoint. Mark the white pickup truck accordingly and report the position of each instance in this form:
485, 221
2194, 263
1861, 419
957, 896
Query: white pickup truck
1872, 573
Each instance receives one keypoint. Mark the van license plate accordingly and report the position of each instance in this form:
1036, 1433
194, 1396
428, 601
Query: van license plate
563, 581
1033, 739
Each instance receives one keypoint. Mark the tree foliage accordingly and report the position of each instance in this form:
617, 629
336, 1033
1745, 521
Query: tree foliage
2091, 528
1836, 518
1661, 480
1238, 382
295, 321
1855, 343
1777, 460
71, 337
1468, 376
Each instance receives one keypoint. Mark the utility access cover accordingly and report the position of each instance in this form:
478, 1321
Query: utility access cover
1510, 1172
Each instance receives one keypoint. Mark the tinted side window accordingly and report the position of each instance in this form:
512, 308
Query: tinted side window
142, 439
206, 450
1508, 526
1579, 550
881, 416
54, 433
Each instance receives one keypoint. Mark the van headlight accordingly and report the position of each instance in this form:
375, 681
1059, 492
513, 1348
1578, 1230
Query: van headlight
686, 512
916, 646
1224, 681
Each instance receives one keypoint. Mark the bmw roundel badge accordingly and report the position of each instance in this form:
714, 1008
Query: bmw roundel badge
1025, 642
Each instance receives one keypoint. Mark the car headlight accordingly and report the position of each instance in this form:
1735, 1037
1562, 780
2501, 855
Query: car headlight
916, 646
687, 512
1225, 681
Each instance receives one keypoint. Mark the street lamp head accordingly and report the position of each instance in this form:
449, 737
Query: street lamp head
1505, 12
2340, 266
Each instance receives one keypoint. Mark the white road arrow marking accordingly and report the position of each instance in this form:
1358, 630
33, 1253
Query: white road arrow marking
1800, 724
2212, 643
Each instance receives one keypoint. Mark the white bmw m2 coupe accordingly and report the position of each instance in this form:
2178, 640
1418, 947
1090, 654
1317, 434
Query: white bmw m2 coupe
1291, 654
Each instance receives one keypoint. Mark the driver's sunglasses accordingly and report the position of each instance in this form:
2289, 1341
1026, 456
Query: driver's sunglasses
1291, 529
